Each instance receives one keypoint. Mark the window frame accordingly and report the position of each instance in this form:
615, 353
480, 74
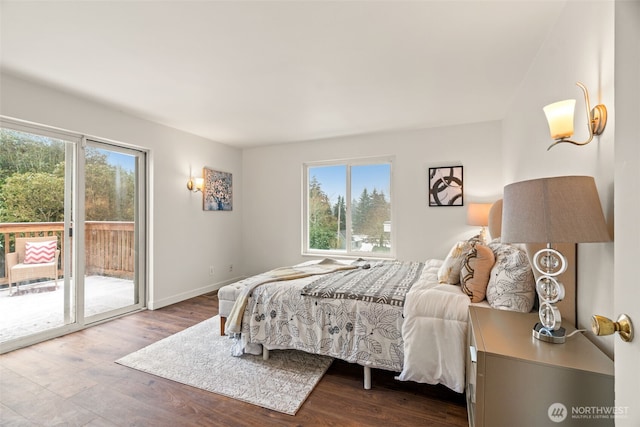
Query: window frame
349, 163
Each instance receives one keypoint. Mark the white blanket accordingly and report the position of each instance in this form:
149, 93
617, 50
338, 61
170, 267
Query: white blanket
435, 332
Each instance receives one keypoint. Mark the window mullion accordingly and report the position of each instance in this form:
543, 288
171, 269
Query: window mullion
347, 203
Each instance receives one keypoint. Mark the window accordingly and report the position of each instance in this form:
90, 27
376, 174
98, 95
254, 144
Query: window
348, 208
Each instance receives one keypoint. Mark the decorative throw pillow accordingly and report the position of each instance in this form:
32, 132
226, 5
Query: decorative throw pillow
511, 284
449, 272
475, 272
40, 252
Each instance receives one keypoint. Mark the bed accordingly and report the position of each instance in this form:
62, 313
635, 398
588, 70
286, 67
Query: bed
417, 328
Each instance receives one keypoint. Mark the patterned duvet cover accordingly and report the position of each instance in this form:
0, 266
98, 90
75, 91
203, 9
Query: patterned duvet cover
277, 316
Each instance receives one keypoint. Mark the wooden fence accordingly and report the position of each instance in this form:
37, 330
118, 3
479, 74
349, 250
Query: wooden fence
109, 245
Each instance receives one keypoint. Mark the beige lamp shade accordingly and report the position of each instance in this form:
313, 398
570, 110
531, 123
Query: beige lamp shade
563, 209
478, 214
560, 118
199, 183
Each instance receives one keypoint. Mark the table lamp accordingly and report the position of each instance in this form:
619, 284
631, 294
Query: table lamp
563, 209
478, 214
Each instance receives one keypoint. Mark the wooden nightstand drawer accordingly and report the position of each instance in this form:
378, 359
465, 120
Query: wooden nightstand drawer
519, 380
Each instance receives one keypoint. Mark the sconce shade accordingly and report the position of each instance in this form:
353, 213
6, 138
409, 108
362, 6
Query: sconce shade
563, 209
195, 184
478, 214
560, 117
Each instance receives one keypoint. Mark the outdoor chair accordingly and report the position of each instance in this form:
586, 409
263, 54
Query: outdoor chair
34, 258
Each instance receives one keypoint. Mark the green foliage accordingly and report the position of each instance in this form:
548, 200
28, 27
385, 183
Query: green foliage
33, 197
109, 191
32, 181
321, 237
22, 152
322, 224
327, 224
370, 213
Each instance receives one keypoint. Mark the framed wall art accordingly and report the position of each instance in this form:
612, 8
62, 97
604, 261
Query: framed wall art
218, 190
445, 186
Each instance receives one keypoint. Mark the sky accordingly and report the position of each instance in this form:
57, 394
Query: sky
125, 160
333, 179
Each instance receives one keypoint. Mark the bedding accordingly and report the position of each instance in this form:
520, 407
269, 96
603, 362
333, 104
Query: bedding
421, 334
385, 282
367, 332
324, 266
435, 331
278, 316
512, 285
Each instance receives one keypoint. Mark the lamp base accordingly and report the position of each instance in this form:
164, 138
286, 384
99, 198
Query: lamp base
543, 334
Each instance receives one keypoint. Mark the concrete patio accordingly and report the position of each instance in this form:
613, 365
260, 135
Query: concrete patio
40, 306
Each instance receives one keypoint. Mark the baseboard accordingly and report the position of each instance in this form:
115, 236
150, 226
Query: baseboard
156, 304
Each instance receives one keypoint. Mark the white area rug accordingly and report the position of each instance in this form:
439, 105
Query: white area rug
200, 357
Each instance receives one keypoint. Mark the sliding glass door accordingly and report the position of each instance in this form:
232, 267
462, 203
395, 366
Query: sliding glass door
37, 294
81, 203
113, 230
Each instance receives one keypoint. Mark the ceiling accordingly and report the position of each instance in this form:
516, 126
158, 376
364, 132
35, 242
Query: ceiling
247, 73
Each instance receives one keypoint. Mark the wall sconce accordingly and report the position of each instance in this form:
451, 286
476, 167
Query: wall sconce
560, 117
478, 214
601, 325
195, 184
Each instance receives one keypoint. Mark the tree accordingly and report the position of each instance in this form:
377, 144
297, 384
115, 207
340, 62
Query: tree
33, 197
322, 223
360, 212
32, 177
109, 189
370, 212
22, 152
340, 213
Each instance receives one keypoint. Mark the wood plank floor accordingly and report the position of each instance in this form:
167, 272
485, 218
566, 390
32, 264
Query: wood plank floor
73, 381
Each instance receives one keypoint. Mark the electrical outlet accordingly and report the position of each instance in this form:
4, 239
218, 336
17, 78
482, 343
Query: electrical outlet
230, 268
212, 270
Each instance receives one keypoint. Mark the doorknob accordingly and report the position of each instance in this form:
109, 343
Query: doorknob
601, 325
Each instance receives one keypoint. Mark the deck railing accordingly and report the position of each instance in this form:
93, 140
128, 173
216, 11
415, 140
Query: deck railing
109, 245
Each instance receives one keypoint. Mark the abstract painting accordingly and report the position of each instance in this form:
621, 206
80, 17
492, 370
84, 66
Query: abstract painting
445, 186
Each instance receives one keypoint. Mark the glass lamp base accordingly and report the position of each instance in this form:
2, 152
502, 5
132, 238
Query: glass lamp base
543, 334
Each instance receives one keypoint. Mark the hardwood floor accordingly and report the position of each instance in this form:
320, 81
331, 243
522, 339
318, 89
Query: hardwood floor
74, 381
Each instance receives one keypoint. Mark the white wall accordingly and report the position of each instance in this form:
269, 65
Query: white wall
580, 47
272, 217
184, 240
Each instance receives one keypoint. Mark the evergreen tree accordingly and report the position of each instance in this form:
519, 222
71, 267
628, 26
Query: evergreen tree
370, 212
340, 213
322, 223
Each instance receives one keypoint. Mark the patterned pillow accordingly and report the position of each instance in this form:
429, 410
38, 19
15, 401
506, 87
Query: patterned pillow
475, 272
449, 272
511, 285
40, 252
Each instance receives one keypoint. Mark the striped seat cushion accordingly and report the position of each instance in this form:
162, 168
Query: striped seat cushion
40, 252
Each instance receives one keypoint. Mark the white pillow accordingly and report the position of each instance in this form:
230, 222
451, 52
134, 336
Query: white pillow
449, 271
511, 285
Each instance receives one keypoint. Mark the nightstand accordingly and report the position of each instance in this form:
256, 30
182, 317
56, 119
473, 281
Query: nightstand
514, 379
